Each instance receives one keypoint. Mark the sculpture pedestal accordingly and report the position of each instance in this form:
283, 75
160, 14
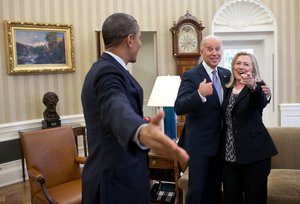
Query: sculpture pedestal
50, 123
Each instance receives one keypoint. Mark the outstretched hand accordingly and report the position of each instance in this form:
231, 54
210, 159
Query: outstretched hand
160, 144
248, 79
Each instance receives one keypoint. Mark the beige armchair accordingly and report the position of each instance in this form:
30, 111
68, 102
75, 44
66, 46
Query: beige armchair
53, 165
284, 178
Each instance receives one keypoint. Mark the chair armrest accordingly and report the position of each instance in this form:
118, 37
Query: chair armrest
80, 160
183, 180
34, 174
37, 176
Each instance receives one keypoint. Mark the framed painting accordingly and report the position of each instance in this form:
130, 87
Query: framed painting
39, 48
100, 43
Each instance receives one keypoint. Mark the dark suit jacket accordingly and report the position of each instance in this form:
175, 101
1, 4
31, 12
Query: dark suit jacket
116, 168
252, 141
202, 131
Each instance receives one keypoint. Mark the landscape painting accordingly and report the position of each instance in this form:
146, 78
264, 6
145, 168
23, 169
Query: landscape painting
39, 48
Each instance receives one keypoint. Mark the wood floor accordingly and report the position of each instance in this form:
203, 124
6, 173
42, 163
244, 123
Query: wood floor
18, 193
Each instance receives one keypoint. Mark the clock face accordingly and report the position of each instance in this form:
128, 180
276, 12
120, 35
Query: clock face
187, 40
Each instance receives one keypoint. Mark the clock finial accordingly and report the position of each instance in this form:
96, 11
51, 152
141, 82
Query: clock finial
188, 16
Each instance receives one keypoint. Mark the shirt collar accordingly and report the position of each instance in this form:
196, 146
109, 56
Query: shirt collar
208, 68
119, 59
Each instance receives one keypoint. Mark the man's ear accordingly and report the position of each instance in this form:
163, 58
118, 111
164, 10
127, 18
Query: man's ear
129, 40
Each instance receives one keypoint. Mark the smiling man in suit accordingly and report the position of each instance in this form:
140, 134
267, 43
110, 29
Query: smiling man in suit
118, 137
201, 102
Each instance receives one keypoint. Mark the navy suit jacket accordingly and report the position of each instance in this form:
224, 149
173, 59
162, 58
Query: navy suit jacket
116, 169
203, 121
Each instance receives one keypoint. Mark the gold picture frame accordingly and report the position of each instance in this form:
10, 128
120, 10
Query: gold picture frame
39, 48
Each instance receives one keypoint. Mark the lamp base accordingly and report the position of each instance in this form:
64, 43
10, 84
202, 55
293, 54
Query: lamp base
170, 122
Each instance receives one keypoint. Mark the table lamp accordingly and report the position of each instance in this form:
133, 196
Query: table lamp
163, 95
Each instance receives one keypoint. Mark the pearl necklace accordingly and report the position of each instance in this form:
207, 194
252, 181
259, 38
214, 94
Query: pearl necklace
236, 91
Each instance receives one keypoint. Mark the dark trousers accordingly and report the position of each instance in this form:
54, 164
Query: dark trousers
246, 183
204, 186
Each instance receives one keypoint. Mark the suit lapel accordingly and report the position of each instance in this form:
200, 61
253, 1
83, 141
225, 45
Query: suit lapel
137, 86
204, 75
224, 80
242, 94
131, 79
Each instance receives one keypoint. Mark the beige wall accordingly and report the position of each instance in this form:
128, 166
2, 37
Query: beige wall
21, 96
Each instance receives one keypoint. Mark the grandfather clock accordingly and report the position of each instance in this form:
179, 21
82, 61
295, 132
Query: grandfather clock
186, 40
186, 37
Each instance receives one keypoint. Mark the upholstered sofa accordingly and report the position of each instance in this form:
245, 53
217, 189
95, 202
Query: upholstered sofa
284, 178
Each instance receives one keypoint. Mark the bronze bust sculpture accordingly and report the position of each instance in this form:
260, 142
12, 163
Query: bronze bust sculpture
51, 117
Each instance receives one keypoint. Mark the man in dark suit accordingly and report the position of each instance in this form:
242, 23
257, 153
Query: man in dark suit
198, 100
118, 137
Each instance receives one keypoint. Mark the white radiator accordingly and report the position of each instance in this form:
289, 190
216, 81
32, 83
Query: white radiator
290, 114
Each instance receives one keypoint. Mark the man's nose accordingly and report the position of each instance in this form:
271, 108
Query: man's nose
214, 51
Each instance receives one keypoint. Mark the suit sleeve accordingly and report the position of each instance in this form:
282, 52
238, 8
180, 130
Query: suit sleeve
118, 106
188, 98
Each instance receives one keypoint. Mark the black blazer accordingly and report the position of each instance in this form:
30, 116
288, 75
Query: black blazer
202, 131
252, 141
116, 169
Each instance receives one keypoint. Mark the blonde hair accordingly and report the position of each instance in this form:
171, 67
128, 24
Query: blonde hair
255, 71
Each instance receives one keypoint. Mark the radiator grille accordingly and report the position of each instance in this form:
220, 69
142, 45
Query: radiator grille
10, 150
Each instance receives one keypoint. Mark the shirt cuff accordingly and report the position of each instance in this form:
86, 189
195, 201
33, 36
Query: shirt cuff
136, 140
203, 99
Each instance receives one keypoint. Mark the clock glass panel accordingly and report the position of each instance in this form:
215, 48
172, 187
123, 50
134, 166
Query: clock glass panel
187, 40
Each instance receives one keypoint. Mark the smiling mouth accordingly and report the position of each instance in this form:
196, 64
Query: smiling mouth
241, 72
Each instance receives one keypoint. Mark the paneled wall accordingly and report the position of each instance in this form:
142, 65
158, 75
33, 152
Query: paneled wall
21, 96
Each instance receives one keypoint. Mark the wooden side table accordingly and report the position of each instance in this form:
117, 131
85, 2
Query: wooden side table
159, 167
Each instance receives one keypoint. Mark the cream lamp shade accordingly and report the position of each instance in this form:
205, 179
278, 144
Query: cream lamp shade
164, 94
164, 91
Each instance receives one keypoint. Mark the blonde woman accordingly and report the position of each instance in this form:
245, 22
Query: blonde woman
246, 147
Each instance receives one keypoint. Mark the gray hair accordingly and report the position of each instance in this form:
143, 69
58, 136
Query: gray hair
205, 40
210, 37
116, 27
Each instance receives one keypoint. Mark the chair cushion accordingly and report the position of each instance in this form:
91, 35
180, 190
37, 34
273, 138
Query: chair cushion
67, 193
183, 180
284, 186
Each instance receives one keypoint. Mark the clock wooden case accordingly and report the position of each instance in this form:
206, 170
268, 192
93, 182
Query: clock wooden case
186, 39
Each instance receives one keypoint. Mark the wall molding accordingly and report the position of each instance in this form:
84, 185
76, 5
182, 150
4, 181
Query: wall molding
243, 16
11, 172
290, 114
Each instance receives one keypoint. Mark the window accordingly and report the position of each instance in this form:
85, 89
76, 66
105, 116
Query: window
228, 54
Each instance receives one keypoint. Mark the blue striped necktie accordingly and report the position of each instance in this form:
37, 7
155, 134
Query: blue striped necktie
217, 85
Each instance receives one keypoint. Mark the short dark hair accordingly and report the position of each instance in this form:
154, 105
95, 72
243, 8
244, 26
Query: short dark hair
116, 27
